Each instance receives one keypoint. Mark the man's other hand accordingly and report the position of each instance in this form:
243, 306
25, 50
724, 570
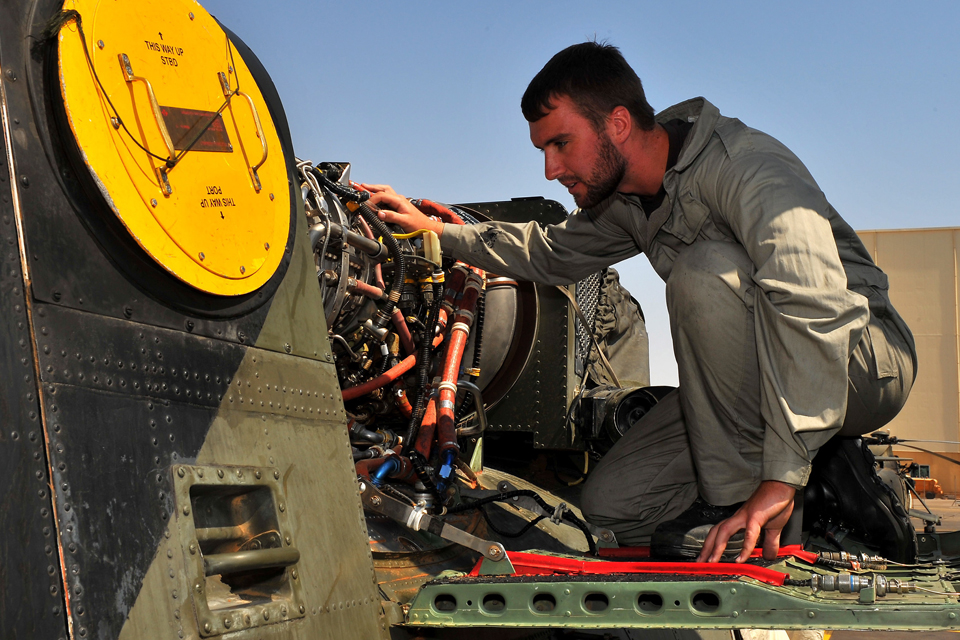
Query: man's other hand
768, 509
395, 209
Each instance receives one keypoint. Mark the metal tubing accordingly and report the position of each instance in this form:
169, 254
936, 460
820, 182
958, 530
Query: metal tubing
227, 563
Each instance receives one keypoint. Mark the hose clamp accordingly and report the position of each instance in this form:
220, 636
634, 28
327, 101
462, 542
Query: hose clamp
446, 385
416, 515
462, 326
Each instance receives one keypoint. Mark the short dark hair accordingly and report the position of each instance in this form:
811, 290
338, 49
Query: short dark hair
596, 77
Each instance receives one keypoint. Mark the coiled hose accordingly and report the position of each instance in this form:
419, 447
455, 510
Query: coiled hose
356, 203
464, 407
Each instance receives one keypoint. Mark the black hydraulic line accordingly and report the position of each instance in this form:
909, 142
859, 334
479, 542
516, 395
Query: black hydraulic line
424, 364
366, 454
420, 468
789, 582
509, 534
506, 495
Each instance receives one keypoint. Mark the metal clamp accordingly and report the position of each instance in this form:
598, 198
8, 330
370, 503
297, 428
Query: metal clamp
477, 430
417, 519
227, 93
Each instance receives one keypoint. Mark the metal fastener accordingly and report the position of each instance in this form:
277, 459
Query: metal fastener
243, 269
271, 196
219, 473
282, 507
375, 501
227, 622
153, 202
198, 586
100, 44
276, 475
202, 256
193, 549
207, 627
266, 614
288, 540
495, 552
181, 472
258, 475
294, 574
283, 610
266, 245
115, 122
303, 609
186, 510
191, 15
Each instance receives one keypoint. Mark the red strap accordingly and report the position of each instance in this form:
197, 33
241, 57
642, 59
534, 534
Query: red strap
626, 553
532, 564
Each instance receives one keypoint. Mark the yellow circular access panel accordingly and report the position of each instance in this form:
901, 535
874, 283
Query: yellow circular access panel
174, 129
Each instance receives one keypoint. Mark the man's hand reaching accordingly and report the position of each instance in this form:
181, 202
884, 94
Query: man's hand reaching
768, 509
395, 209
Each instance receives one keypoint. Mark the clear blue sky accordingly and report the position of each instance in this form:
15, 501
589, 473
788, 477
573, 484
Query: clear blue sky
425, 95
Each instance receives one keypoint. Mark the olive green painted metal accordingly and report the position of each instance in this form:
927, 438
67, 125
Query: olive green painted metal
296, 324
617, 602
234, 525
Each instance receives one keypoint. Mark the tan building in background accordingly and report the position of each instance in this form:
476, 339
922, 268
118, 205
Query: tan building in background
922, 265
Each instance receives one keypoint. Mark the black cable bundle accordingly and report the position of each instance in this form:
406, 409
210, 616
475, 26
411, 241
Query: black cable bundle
506, 495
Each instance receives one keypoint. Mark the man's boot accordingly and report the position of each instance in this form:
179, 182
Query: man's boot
846, 498
682, 538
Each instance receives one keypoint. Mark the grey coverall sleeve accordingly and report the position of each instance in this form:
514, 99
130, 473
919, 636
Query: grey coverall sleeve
557, 254
807, 321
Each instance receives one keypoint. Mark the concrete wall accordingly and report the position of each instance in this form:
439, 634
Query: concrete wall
923, 270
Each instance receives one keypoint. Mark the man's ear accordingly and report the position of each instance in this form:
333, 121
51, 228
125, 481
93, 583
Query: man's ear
619, 124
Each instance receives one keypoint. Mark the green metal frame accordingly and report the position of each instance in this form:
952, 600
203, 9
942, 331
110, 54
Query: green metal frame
669, 601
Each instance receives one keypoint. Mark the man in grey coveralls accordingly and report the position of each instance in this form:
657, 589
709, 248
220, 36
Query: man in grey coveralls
782, 326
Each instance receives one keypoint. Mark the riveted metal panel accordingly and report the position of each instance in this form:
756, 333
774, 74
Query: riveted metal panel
31, 601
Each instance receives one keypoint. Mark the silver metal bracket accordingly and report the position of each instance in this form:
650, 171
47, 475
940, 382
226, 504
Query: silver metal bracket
418, 519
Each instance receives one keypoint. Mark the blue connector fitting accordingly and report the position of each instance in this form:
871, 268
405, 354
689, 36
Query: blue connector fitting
446, 469
386, 469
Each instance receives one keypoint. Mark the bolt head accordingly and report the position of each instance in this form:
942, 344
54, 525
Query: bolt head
266, 245
282, 507
100, 44
375, 501
181, 472
258, 475
227, 622
219, 473
207, 627
303, 609
495, 552
153, 202
191, 15
276, 475
266, 614
186, 510
202, 256
243, 269
193, 549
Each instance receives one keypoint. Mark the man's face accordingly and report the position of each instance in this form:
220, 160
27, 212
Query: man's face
584, 161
